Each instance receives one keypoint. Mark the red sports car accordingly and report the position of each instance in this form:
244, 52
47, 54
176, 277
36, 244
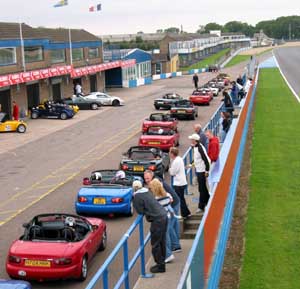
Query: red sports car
201, 97
160, 119
161, 137
56, 246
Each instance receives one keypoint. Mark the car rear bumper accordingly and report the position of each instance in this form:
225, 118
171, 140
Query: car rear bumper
164, 147
200, 101
35, 273
122, 208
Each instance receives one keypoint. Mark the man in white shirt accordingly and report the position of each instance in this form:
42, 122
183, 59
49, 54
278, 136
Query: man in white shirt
202, 167
177, 170
78, 89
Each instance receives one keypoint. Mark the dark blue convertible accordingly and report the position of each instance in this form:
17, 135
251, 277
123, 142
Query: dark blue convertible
14, 284
49, 110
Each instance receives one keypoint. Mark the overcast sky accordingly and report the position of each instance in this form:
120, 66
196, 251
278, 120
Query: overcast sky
131, 16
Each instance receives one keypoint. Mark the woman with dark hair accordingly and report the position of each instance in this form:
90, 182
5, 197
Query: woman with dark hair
228, 102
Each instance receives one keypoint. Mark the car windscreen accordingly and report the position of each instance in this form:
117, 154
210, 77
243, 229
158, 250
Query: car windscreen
183, 104
156, 117
141, 155
159, 131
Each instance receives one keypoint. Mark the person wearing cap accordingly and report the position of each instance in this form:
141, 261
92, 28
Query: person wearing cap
145, 204
202, 167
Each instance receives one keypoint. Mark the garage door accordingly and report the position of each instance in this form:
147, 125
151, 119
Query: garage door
5, 101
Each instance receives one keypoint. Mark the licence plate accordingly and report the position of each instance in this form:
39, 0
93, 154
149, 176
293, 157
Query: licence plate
138, 168
154, 142
37, 263
99, 201
181, 111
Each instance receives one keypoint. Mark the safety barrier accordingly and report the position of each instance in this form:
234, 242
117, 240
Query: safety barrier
103, 272
209, 246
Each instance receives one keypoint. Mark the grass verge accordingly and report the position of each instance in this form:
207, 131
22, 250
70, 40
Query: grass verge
211, 60
237, 60
272, 255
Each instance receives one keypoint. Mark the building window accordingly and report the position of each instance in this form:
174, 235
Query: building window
77, 54
93, 53
33, 54
158, 68
7, 56
58, 56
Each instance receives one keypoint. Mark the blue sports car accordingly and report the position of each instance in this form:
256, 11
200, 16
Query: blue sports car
49, 110
14, 284
106, 192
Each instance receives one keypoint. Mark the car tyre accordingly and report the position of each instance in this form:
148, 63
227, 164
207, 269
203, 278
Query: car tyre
84, 269
116, 103
63, 116
21, 128
94, 106
156, 107
131, 211
103, 243
34, 115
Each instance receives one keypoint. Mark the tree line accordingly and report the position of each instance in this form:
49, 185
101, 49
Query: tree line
287, 27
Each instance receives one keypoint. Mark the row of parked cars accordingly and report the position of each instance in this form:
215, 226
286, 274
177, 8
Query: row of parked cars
60, 246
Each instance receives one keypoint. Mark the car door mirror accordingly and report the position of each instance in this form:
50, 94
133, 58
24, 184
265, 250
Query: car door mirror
95, 227
26, 225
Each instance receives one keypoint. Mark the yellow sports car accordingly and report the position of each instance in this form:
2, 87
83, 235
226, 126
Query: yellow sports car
7, 125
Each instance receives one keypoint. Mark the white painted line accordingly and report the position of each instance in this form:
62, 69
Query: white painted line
287, 82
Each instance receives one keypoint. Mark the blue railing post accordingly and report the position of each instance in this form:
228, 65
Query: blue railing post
125, 262
142, 252
105, 279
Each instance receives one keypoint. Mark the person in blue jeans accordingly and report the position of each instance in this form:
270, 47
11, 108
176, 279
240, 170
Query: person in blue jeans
173, 229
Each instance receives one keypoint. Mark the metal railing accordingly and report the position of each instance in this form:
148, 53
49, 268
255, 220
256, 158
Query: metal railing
103, 272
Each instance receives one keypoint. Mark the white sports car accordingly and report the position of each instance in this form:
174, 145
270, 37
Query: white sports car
105, 99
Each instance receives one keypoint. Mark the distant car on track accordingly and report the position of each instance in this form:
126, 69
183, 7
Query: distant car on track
184, 109
56, 246
201, 97
140, 158
105, 99
161, 137
160, 119
14, 284
106, 192
83, 102
7, 125
166, 101
52, 111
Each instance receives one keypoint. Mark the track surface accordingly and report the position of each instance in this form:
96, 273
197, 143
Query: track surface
289, 59
44, 175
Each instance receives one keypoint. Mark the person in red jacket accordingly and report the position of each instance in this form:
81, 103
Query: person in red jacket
15, 111
213, 146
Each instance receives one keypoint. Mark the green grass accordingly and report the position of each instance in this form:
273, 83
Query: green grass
211, 60
237, 60
272, 253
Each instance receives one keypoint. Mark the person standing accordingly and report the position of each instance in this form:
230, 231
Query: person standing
177, 170
15, 111
240, 80
78, 89
200, 132
174, 225
213, 146
228, 102
226, 123
145, 204
202, 167
196, 80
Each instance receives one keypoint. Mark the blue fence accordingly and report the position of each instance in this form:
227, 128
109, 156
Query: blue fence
103, 272
194, 265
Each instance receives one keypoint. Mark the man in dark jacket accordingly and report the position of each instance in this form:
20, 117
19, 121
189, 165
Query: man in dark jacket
196, 80
145, 204
201, 133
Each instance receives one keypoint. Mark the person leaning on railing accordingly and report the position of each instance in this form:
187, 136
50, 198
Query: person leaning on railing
202, 167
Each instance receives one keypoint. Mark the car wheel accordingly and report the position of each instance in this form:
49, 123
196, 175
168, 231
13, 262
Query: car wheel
63, 116
84, 269
103, 243
193, 117
131, 211
34, 115
156, 107
177, 144
94, 106
21, 128
115, 103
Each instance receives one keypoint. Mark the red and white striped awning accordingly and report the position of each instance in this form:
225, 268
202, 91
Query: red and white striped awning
22, 77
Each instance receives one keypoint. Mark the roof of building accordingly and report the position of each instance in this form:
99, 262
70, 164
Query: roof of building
231, 33
189, 36
12, 31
